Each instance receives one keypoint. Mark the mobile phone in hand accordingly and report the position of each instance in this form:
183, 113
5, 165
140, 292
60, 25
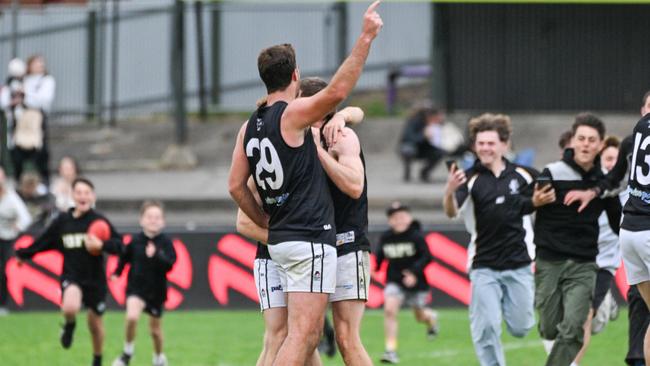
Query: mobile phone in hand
543, 181
450, 164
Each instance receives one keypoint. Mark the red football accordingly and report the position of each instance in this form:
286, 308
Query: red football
100, 229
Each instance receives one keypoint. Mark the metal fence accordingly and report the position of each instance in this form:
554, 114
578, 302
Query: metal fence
117, 59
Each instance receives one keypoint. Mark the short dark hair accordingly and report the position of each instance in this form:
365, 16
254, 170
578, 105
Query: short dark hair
311, 85
276, 64
589, 120
151, 203
645, 98
490, 122
611, 141
83, 180
565, 139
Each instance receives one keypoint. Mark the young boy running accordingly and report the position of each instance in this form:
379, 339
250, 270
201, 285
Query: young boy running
151, 255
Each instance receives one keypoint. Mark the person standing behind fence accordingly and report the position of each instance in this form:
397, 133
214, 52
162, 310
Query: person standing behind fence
14, 218
495, 198
11, 94
30, 129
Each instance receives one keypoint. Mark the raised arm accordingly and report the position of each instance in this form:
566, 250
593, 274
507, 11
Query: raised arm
302, 112
239, 191
343, 164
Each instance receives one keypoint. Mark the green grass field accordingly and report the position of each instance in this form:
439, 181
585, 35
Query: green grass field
230, 338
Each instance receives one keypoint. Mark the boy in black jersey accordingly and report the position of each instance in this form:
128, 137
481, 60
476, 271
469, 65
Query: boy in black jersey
83, 280
407, 253
151, 255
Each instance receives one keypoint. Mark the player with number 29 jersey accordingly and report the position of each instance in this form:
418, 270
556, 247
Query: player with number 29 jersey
290, 180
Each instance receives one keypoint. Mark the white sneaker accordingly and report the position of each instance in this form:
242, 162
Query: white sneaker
603, 314
390, 357
160, 361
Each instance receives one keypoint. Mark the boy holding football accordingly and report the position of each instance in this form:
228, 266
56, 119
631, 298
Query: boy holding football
81, 235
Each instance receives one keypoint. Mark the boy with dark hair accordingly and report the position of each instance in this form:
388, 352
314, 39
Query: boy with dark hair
83, 279
407, 253
151, 255
567, 243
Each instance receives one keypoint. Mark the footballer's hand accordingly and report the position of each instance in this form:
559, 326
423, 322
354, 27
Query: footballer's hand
372, 22
584, 197
543, 196
334, 129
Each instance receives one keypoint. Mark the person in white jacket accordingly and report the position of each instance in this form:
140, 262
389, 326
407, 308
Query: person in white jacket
30, 129
14, 218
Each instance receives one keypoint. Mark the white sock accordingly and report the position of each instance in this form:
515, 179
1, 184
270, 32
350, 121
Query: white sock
574, 364
548, 345
158, 356
129, 347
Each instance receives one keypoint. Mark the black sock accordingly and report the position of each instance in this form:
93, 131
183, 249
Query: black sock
97, 360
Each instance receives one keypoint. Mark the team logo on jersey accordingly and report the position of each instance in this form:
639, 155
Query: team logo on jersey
263, 293
259, 124
278, 201
317, 276
514, 186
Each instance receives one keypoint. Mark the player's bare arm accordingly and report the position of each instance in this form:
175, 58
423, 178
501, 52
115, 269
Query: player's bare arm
237, 183
302, 112
343, 164
246, 226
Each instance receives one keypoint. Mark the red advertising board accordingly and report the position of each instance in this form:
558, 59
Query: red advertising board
215, 270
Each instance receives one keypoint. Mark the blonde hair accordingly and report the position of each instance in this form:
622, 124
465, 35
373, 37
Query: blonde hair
149, 204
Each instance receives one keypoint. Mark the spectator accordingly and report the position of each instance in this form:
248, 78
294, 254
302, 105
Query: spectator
61, 188
11, 94
14, 218
428, 137
30, 128
39, 202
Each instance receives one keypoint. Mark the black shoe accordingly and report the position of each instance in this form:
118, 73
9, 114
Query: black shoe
432, 332
97, 360
66, 334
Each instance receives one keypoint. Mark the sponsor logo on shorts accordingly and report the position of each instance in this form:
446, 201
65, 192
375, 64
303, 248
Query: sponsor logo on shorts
346, 287
101, 307
263, 293
327, 227
276, 288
